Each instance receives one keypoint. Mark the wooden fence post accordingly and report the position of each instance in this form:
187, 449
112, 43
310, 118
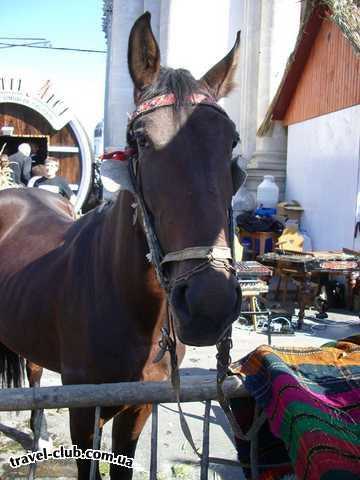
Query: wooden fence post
37, 432
206, 441
96, 442
154, 442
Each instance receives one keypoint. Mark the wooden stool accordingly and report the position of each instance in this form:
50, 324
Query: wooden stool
262, 237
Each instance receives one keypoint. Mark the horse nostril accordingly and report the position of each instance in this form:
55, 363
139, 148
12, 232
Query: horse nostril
190, 300
179, 296
182, 292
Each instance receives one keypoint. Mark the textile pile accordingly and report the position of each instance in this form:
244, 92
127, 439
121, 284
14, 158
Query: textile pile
5, 173
312, 401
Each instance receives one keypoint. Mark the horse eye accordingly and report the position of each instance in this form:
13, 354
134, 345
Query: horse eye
142, 140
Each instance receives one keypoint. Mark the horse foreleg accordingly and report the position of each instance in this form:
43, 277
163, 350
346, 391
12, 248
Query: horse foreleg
82, 430
34, 373
127, 426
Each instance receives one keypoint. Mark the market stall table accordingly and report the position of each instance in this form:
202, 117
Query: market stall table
307, 267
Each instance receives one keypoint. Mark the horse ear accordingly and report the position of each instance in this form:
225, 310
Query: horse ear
219, 79
143, 53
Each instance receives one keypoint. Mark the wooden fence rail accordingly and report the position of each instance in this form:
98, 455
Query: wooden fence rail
193, 389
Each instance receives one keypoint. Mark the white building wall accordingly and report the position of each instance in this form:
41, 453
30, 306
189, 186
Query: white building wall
322, 174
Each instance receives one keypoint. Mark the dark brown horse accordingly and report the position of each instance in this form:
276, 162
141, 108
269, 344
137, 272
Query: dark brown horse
80, 297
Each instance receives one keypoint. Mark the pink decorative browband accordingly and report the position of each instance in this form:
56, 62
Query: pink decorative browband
165, 100
169, 99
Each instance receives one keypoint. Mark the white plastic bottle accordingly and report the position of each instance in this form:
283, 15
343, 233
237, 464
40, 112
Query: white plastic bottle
267, 194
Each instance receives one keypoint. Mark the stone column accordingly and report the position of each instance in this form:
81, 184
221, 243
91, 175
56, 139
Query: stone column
119, 88
250, 16
279, 26
233, 103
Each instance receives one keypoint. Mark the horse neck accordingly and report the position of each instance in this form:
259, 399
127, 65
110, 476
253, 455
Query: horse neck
125, 253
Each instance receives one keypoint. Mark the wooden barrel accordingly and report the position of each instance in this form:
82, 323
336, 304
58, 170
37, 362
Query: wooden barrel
35, 114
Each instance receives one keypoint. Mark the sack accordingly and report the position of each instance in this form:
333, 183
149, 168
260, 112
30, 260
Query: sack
291, 239
243, 201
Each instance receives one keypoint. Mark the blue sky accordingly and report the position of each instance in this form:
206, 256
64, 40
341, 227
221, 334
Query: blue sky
79, 77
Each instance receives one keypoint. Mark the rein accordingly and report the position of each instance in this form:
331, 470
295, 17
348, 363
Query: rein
212, 255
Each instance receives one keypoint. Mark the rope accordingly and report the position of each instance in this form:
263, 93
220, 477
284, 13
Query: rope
223, 359
175, 381
223, 362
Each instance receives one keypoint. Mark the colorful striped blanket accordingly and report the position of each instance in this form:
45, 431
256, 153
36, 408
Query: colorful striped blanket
312, 401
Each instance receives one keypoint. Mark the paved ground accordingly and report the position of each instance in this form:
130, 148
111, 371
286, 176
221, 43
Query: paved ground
175, 457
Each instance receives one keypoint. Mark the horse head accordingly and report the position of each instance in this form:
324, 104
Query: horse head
182, 172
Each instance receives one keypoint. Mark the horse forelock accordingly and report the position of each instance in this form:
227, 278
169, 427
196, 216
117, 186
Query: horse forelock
179, 81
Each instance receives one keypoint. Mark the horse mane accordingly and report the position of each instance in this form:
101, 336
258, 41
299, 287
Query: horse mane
179, 81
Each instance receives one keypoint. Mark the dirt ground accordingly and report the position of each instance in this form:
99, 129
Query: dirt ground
175, 459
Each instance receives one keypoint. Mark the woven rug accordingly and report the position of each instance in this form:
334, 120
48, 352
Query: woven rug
312, 401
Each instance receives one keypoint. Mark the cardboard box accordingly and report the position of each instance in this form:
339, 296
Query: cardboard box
292, 211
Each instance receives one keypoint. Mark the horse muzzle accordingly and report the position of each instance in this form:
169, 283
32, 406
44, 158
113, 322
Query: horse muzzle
205, 305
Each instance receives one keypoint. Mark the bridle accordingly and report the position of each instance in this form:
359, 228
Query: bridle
212, 255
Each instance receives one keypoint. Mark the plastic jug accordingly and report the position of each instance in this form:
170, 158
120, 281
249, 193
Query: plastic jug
267, 194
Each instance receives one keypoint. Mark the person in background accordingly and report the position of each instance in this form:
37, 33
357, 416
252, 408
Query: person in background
20, 164
35, 155
51, 181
